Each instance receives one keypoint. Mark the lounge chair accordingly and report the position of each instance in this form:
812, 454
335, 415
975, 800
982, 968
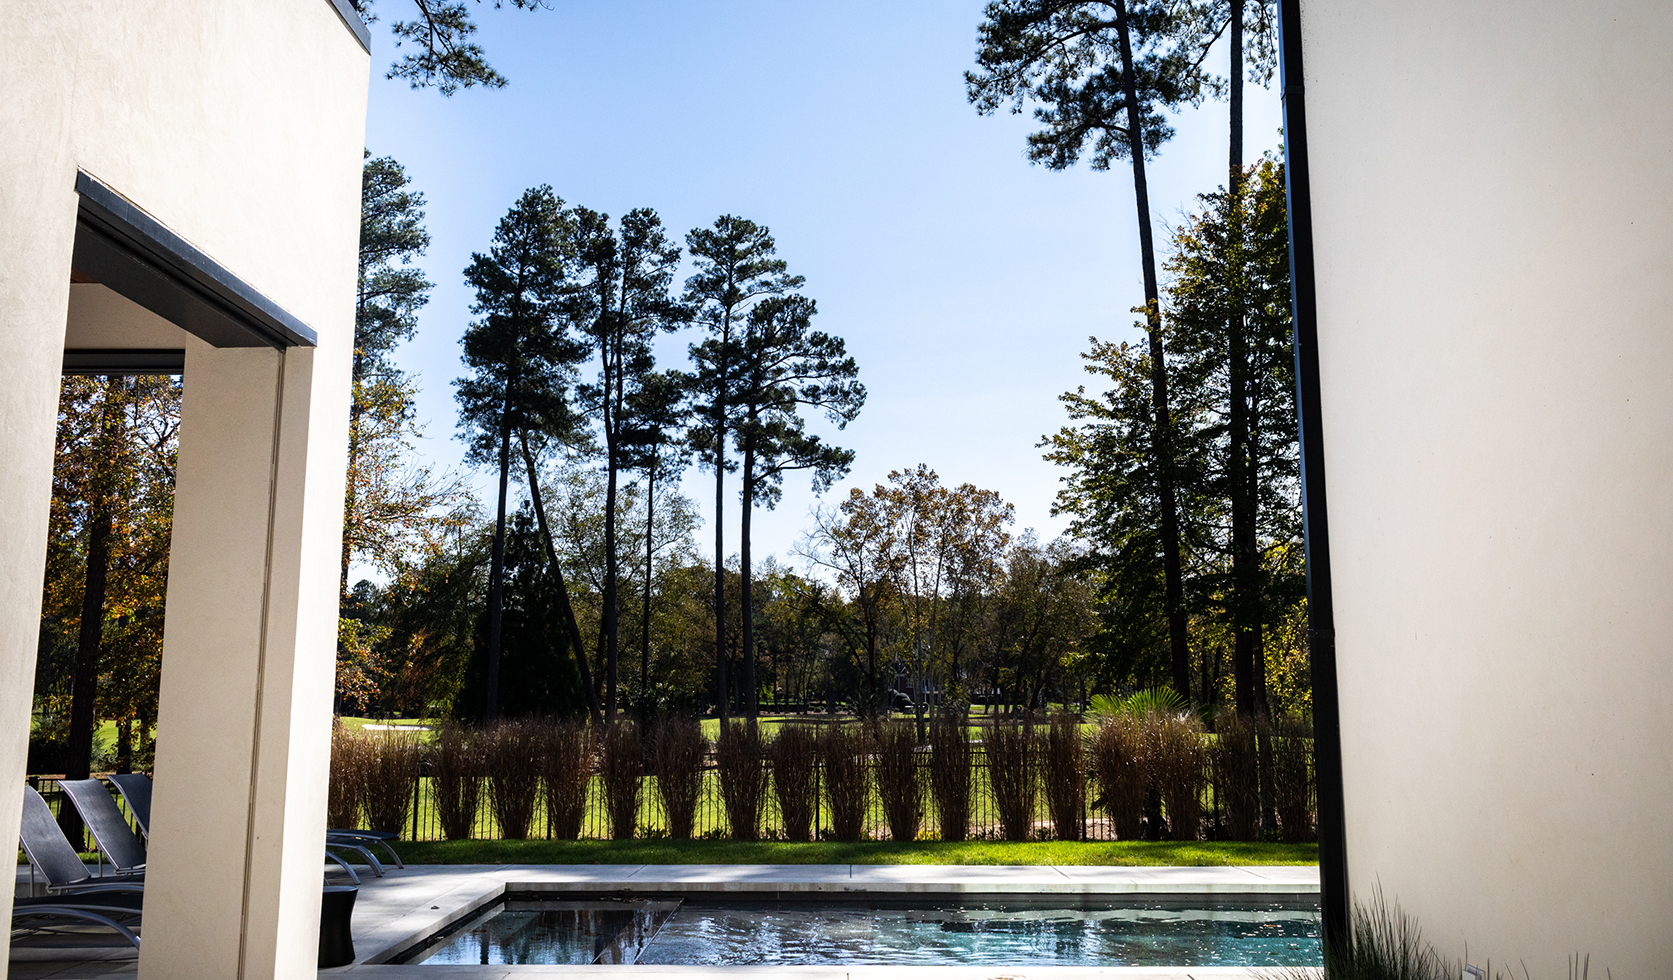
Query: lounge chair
367, 838
136, 792
75, 898
135, 788
117, 841
52, 856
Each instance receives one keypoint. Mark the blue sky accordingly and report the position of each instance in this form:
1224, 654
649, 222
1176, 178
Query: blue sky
965, 280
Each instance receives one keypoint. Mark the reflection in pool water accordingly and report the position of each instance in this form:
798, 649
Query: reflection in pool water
916, 933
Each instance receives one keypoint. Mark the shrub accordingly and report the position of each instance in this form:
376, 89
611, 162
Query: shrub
1178, 763
1292, 777
1063, 774
565, 766
1013, 769
1236, 776
390, 764
513, 776
677, 749
621, 763
795, 759
456, 767
949, 775
1118, 764
343, 796
898, 782
843, 751
739, 757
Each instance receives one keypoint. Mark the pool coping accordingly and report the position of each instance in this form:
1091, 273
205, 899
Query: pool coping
387, 923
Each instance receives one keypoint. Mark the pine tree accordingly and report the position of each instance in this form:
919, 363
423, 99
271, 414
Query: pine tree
388, 296
523, 366
620, 304
653, 446
445, 56
1229, 305
1102, 71
785, 366
736, 269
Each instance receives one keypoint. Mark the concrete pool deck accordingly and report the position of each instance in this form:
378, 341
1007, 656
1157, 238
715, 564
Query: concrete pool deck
407, 905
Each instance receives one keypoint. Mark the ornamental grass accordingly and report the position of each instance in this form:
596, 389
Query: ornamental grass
1178, 770
512, 752
621, 764
1292, 777
1235, 767
949, 774
1123, 782
1013, 776
1063, 777
565, 767
456, 768
343, 796
677, 749
795, 761
899, 783
843, 751
740, 759
389, 763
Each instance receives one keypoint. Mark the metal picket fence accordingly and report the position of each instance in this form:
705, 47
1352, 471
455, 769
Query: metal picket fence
423, 822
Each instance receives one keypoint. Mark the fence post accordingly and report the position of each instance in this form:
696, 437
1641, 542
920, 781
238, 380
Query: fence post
417, 784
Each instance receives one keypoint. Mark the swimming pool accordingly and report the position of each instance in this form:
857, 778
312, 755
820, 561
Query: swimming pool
530, 929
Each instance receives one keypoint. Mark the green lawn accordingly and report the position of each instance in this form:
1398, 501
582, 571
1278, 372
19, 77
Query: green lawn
1123, 853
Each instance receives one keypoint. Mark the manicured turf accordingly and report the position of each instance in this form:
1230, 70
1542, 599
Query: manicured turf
1130, 853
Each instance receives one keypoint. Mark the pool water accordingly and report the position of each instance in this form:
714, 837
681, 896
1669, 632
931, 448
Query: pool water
911, 933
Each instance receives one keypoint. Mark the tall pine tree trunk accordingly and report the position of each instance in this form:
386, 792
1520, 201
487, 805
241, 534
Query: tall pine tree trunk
612, 623
751, 702
1161, 437
496, 576
570, 625
722, 702
355, 409
650, 553
1243, 481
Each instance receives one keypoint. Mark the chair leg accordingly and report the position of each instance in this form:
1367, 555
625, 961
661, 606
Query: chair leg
371, 859
344, 865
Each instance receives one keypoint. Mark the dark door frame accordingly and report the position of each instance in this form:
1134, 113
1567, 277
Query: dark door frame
1334, 898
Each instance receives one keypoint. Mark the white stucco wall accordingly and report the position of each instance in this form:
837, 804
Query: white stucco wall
1493, 199
239, 125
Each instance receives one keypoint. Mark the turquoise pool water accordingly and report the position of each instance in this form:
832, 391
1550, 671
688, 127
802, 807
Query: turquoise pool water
913, 933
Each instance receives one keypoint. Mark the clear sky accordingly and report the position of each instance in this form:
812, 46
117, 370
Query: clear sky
964, 279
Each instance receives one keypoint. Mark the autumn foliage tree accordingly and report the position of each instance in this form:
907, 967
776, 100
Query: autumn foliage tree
107, 560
